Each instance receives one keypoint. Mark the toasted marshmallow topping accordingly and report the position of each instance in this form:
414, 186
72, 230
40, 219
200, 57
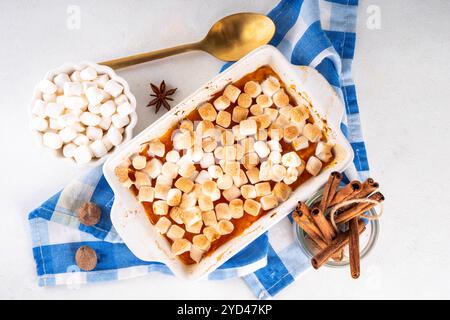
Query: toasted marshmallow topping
180, 246
232, 93
252, 207
252, 88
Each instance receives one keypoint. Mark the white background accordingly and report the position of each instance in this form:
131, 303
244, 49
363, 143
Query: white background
402, 73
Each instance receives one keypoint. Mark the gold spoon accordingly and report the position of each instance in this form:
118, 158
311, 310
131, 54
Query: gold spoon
229, 39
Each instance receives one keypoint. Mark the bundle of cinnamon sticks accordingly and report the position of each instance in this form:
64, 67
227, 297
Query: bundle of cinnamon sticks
331, 236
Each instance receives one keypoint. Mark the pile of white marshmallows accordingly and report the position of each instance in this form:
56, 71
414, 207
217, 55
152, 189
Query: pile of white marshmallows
83, 114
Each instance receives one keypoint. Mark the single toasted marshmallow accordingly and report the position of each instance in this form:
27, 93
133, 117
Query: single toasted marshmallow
160, 208
195, 228
205, 129
224, 182
270, 86
268, 202
299, 114
121, 173
113, 88
286, 111
240, 179
291, 159
237, 133
263, 121
282, 191
313, 166
247, 127
290, 133
211, 233
225, 227
262, 189
186, 169
275, 132
207, 112
221, 103
191, 215
175, 232
229, 153
209, 218
261, 134
142, 179
244, 100
170, 170
202, 177
157, 148
282, 121
139, 162
280, 99
264, 101
278, 173
300, 143
291, 175
181, 246
219, 153
146, 193
209, 144
223, 211
323, 151
275, 157
252, 207
231, 168
239, 114
175, 214
248, 191
153, 168
205, 203
231, 92
223, 119
172, 156
256, 110
196, 254
250, 160
227, 138
215, 171
252, 88
262, 149
312, 132
232, 193
201, 242
209, 187
174, 197
162, 189
239, 151
163, 225
271, 113
253, 175
265, 171
182, 139
184, 184
248, 144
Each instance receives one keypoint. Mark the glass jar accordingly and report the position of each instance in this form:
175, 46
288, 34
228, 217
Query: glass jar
367, 239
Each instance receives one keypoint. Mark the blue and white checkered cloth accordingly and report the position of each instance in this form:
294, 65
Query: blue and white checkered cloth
318, 33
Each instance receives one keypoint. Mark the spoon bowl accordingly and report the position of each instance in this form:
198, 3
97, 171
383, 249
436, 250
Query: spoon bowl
229, 39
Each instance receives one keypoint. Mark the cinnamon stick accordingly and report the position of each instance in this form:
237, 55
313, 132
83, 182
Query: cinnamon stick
302, 207
350, 189
353, 246
354, 211
323, 224
311, 230
369, 186
338, 244
330, 189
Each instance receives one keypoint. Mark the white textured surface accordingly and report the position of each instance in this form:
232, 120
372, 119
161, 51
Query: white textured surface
402, 75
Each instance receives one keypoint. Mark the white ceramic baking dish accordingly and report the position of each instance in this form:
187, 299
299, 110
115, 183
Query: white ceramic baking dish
129, 217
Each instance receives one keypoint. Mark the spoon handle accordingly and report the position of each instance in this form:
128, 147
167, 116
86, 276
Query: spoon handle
149, 56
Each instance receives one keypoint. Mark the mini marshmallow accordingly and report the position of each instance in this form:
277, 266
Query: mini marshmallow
209, 218
172, 156
253, 175
244, 100
231, 168
215, 171
219, 153
300, 143
237, 134
250, 160
153, 168
208, 187
139, 162
312, 132
195, 153
180, 246
262, 189
175, 232
239, 114
82, 154
88, 84
54, 110
163, 225
94, 133
98, 148
101, 80
173, 197
125, 109
272, 113
54, 124
252, 207
186, 169
88, 73
248, 191
282, 191
313, 166
224, 182
223, 211
157, 148
39, 123
239, 151
286, 111
52, 140
323, 151
275, 157
81, 140
69, 149
170, 170
105, 123
75, 102
60, 80
75, 76
108, 108
94, 95
90, 119
232, 193
268, 202
225, 227
227, 138
113, 88
142, 179
209, 144
70, 119
202, 177
195, 228
49, 97
240, 179
114, 136
207, 160
282, 121
187, 125
247, 127
223, 119
291, 175
73, 89
205, 203
67, 134
162, 189
182, 139
264, 101
221, 103
207, 112
201, 242
280, 99
231, 92
290, 133
39, 107
270, 86
275, 132
119, 122
108, 145
94, 109
252, 88
47, 87
229, 153
205, 129
160, 208
146, 193
237, 208
184, 184
256, 110
291, 159
261, 149
175, 214
299, 114
211, 233
191, 215
278, 172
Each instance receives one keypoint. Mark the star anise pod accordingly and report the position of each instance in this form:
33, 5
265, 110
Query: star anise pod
161, 96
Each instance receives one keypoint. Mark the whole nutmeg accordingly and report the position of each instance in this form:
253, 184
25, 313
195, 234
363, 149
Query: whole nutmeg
89, 214
86, 258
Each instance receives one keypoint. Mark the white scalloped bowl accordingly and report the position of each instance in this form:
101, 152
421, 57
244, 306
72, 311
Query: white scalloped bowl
69, 68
